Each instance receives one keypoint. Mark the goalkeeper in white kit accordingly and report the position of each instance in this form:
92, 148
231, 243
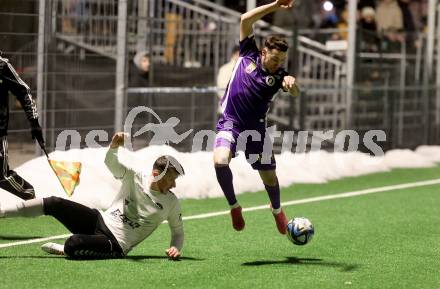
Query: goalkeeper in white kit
143, 203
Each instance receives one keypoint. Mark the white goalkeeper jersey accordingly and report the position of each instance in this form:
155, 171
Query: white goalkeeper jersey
138, 210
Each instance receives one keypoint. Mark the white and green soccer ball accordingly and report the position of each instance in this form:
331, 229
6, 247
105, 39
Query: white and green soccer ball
300, 231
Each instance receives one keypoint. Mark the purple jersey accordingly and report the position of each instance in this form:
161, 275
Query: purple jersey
250, 89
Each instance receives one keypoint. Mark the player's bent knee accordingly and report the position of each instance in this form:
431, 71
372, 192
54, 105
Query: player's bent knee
222, 157
221, 161
50, 204
71, 245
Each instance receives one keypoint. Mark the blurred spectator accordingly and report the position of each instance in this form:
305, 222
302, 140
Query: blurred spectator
173, 27
408, 22
389, 16
368, 19
393, 41
81, 14
225, 72
138, 75
343, 26
367, 24
67, 8
389, 22
418, 10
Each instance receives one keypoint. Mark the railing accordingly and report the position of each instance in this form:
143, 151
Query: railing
190, 36
195, 109
176, 32
320, 68
91, 25
201, 34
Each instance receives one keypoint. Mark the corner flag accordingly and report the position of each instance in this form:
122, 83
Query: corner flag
66, 172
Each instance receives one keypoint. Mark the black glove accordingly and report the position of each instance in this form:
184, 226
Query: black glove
37, 132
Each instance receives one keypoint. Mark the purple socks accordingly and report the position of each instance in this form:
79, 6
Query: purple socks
274, 195
224, 178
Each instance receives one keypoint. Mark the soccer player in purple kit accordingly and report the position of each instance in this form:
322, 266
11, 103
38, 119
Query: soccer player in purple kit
256, 77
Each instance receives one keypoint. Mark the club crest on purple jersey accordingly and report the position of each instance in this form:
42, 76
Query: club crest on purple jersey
270, 80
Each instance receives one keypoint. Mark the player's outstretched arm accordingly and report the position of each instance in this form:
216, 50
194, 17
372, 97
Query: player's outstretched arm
111, 159
289, 85
177, 234
250, 17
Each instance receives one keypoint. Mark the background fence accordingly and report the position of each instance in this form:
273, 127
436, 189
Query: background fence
75, 55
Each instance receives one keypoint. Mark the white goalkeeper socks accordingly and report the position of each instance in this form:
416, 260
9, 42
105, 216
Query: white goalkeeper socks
28, 209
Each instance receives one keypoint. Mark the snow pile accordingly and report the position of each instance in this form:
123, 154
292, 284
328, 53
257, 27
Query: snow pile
98, 187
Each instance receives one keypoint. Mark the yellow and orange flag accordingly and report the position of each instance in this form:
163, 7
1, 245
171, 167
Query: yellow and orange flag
67, 173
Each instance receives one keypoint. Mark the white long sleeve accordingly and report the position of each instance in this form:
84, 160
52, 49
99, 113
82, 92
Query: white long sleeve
112, 162
176, 226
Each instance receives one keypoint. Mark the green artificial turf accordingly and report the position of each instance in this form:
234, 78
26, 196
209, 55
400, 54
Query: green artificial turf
382, 240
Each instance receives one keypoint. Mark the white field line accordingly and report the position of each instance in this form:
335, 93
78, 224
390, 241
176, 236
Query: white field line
34, 241
285, 204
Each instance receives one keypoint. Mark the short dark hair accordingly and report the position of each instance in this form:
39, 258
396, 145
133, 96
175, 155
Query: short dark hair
168, 162
277, 42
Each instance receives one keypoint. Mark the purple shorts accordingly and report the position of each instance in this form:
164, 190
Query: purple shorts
257, 148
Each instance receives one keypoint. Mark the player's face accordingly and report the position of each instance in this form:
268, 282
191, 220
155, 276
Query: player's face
168, 181
272, 59
145, 63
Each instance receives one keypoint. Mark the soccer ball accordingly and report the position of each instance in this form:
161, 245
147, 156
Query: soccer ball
300, 231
